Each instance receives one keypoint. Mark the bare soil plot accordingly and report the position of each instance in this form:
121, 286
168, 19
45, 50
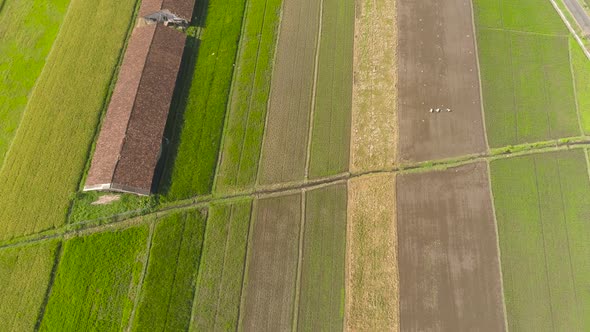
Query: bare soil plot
330, 140
543, 210
271, 272
284, 151
372, 284
374, 118
438, 70
322, 269
448, 256
219, 285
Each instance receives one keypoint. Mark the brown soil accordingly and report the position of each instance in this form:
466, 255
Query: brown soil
438, 70
449, 267
284, 151
372, 285
374, 118
269, 287
106, 199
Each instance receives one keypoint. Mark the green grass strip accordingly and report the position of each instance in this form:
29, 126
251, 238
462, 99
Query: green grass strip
248, 105
45, 164
191, 169
96, 282
321, 304
27, 31
581, 68
169, 286
25, 273
219, 284
330, 142
542, 206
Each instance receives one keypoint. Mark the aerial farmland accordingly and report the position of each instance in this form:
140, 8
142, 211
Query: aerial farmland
295, 165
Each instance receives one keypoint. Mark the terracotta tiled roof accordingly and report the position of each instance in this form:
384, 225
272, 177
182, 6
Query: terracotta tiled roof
181, 8
129, 142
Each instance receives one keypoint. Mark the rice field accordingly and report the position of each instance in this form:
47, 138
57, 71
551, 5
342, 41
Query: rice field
528, 88
330, 137
96, 282
219, 284
581, 72
167, 293
25, 273
23, 51
202, 106
242, 140
49, 152
542, 207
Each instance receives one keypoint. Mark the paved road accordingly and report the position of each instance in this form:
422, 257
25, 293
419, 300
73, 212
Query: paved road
579, 14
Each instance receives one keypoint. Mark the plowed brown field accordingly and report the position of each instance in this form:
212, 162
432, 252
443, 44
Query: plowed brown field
448, 255
284, 151
438, 70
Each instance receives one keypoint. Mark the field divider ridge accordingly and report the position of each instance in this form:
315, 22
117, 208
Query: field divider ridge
478, 66
587, 161
497, 235
313, 93
569, 46
57, 258
146, 261
253, 216
301, 244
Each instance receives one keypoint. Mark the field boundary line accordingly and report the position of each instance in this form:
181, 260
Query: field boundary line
572, 71
270, 92
143, 274
532, 33
570, 28
230, 95
56, 260
225, 246
543, 239
24, 112
479, 79
313, 93
301, 243
587, 162
497, 234
546, 92
253, 216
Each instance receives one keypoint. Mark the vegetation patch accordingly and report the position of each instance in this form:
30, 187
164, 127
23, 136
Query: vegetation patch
581, 70
96, 282
219, 285
203, 101
27, 30
49, 152
249, 98
169, 286
543, 207
330, 141
88, 206
525, 15
321, 300
25, 273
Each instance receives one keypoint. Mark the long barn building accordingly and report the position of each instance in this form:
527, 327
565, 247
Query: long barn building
129, 143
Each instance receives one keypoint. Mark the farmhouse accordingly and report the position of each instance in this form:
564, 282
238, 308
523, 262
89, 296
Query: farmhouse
129, 143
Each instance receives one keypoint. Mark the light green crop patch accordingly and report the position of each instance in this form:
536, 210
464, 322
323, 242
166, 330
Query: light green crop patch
543, 206
27, 31
25, 273
523, 15
581, 69
527, 86
96, 282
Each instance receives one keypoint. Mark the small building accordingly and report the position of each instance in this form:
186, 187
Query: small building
130, 140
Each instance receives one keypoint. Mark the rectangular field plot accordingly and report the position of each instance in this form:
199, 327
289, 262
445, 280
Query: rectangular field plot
321, 299
25, 273
523, 15
284, 149
372, 288
201, 102
448, 258
268, 300
527, 87
438, 83
543, 211
23, 51
242, 140
581, 71
96, 282
49, 152
330, 141
219, 284
168, 289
